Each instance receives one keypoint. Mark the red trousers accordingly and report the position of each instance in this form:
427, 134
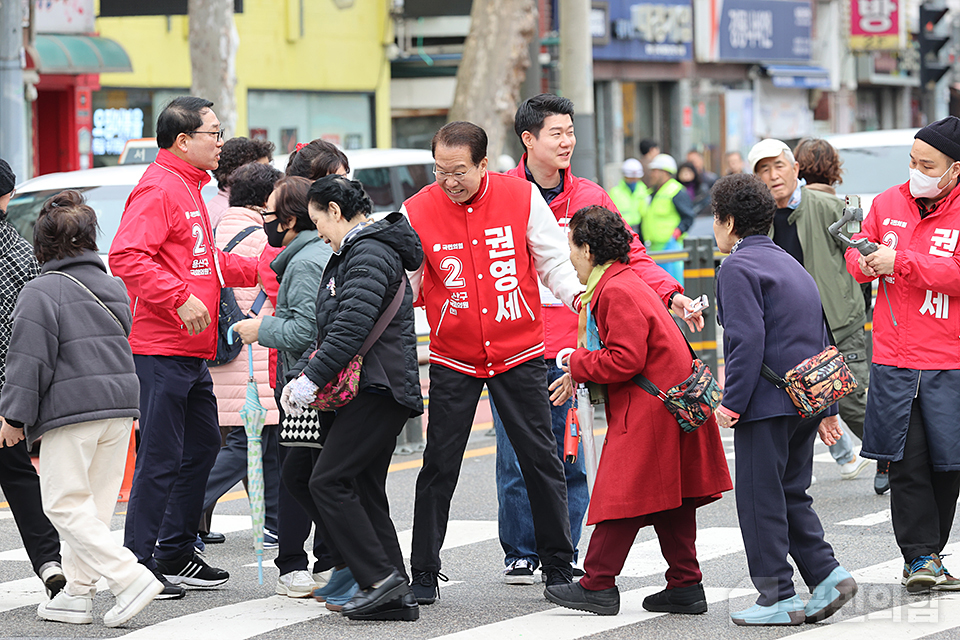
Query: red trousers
611, 541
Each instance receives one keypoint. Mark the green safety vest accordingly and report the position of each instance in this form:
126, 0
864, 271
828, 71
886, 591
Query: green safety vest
631, 204
661, 217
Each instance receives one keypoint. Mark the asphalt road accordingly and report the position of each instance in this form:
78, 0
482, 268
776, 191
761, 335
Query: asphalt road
476, 603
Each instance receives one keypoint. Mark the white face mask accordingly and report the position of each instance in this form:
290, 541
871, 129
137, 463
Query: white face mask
924, 186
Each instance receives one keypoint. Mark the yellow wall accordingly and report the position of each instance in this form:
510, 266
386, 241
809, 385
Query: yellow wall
340, 50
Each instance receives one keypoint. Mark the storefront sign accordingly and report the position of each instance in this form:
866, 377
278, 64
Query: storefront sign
874, 25
767, 31
113, 127
659, 30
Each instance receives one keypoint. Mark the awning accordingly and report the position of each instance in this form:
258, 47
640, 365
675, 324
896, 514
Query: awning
798, 77
71, 54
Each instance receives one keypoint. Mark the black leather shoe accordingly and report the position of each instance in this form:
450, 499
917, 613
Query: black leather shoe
403, 608
573, 596
681, 600
212, 537
367, 600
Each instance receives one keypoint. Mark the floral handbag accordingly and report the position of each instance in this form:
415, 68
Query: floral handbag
691, 402
816, 383
343, 388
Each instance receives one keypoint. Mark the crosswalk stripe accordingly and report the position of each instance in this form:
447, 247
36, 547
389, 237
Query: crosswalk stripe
565, 624
868, 520
236, 621
459, 533
919, 619
645, 558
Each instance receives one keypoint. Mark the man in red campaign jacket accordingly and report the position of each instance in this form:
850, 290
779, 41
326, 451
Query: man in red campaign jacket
164, 252
486, 238
912, 407
544, 124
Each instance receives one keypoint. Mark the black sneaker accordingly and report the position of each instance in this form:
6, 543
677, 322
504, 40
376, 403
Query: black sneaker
680, 600
170, 591
557, 574
573, 596
881, 481
519, 572
425, 586
192, 571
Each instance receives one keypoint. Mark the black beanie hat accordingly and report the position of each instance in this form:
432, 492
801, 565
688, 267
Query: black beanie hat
943, 135
7, 180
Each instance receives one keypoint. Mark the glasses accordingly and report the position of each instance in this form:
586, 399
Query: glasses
264, 213
219, 134
457, 176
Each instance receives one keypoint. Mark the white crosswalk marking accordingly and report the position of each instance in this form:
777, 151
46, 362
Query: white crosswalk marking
868, 520
919, 619
645, 558
566, 624
459, 533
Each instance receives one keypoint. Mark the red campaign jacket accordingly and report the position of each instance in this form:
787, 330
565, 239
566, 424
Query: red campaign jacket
164, 251
559, 324
924, 288
478, 280
649, 463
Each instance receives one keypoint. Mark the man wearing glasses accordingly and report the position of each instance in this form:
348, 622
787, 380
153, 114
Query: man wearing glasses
164, 252
487, 237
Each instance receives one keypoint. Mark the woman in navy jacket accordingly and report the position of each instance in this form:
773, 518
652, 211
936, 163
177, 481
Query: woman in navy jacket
763, 291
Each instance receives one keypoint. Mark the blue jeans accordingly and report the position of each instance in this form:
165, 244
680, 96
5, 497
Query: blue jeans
514, 516
842, 451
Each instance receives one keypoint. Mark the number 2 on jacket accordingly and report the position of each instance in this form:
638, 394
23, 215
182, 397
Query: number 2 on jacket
454, 268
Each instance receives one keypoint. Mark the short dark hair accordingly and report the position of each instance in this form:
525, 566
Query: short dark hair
349, 194
67, 226
746, 199
533, 111
181, 115
646, 144
317, 159
237, 152
252, 184
604, 231
461, 134
291, 202
819, 161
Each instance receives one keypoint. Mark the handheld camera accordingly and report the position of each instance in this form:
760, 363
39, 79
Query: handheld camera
850, 222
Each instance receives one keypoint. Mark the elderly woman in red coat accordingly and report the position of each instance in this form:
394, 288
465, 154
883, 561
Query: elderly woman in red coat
651, 472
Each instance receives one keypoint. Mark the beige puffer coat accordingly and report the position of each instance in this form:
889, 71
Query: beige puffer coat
230, 380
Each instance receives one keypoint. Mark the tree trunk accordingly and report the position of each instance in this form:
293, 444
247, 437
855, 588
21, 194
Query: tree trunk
494, 64
213, 57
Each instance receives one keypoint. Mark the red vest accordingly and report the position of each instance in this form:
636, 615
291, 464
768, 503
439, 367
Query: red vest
479, 280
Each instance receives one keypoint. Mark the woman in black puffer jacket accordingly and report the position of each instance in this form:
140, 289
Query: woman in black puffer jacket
347, 495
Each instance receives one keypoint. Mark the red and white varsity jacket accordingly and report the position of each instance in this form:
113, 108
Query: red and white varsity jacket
478, 281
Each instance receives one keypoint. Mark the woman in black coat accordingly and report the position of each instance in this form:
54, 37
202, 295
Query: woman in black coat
347, 486
770, 311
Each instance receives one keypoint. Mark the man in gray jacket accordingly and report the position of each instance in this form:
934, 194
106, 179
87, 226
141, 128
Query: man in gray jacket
18, 478
800, 227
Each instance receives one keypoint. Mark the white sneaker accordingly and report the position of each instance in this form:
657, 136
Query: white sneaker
133, 599
66, 608
296, 584
519, 572
852, 469
321, 578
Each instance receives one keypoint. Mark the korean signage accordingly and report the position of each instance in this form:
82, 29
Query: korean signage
657, 30
766, 31
874, 25
113, 127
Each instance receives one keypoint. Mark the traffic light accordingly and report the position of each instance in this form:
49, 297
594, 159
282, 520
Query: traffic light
931, 69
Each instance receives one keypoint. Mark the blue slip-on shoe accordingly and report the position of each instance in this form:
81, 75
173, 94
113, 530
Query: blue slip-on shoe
335, 601
835, 591
340, 580
787, 612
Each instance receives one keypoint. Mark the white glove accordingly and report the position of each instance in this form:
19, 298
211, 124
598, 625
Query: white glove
298, 395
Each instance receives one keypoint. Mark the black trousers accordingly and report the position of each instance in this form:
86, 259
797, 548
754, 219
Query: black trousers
523, 403
922, 501
179, 442
774, 465
347, 487
294, 521
21, 487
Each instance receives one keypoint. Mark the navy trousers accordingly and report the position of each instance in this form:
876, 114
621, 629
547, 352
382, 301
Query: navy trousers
179, 441
774, 464
21, 487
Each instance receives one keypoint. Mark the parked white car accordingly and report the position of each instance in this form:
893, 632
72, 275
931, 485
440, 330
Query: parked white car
873, 161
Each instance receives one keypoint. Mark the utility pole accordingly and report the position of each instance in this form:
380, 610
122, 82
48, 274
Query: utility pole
13, 122
576, 82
